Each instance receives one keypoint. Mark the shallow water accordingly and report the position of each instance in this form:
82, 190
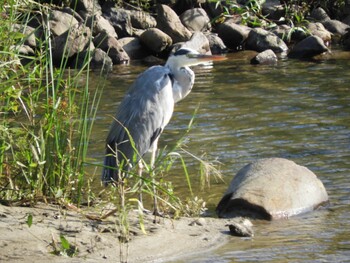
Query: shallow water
296, 110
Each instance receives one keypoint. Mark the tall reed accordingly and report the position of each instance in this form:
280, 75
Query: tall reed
46, 113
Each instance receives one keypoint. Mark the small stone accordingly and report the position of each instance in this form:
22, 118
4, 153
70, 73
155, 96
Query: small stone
241, 227
198, 222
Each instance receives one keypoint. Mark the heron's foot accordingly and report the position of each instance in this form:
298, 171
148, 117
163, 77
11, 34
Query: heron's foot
157, 215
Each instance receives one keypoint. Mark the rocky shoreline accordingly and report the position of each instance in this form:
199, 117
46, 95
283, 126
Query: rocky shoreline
113, 35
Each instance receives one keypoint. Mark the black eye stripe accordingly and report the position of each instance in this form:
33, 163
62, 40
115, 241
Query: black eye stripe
182, 52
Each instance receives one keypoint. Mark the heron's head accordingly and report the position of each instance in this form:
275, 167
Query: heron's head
189, 57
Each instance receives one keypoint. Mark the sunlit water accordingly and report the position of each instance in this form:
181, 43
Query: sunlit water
296, 110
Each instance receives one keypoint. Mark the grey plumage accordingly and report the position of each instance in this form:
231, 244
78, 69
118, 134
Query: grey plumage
147, 108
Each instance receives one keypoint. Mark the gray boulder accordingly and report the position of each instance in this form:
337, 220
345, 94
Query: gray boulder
60, 22
156, 40
169, 23
196, 19
142, 20
289, 34
265, 57
101, 61
100, 24
273, 10
120, 20
28, 32
233, 35
86, 8
319, 14
133, 47
112, 47
70, 43
198, 42
308, 48
260, 40
272, 188
336, 27
317, 29
346, 40
216, 44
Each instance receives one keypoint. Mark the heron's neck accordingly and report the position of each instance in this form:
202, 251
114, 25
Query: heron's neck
183, 82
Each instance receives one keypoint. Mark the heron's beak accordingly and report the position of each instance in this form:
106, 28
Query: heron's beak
204, 58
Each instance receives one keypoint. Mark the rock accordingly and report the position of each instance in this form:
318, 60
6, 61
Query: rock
101, 24
317, 29
198, 222
169, 23
133, 47
112, 47
195, 19
265, 57
346, 40
273, 10
260, 40
214, 10
198, 42
61, 22
70, 43
142, 20
272, 188
120, 20
336, 27
156, 40
233, 35
100, 60
308, 48
319, 14
28, 32
216, 44
86, 8
289, 34
241, 227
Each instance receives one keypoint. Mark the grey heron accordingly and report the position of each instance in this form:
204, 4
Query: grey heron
146, 109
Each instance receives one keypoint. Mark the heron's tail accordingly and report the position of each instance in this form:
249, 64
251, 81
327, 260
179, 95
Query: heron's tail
109, 175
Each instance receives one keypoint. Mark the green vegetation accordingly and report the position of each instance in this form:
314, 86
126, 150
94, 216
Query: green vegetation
46, 115
46, 118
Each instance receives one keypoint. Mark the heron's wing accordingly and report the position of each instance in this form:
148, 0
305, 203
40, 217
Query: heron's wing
143, 113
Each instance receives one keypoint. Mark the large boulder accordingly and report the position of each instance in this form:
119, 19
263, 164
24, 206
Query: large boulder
142, 20
198, 42
272, 188
120, 20
169, 23
260, 40
308, 48
196, 19
155, 39
86, 8
318, 29
70, 43
112, 47
60, 22
233, 35
133, 47
216, 44
265, 57
99, 24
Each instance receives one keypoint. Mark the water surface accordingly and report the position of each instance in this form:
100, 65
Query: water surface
297, 110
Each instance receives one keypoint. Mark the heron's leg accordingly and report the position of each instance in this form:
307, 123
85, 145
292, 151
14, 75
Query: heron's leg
153, 158
140, 164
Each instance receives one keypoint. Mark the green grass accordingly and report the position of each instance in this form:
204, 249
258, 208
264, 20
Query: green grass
46, 116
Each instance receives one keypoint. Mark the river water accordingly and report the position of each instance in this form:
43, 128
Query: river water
299, 110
